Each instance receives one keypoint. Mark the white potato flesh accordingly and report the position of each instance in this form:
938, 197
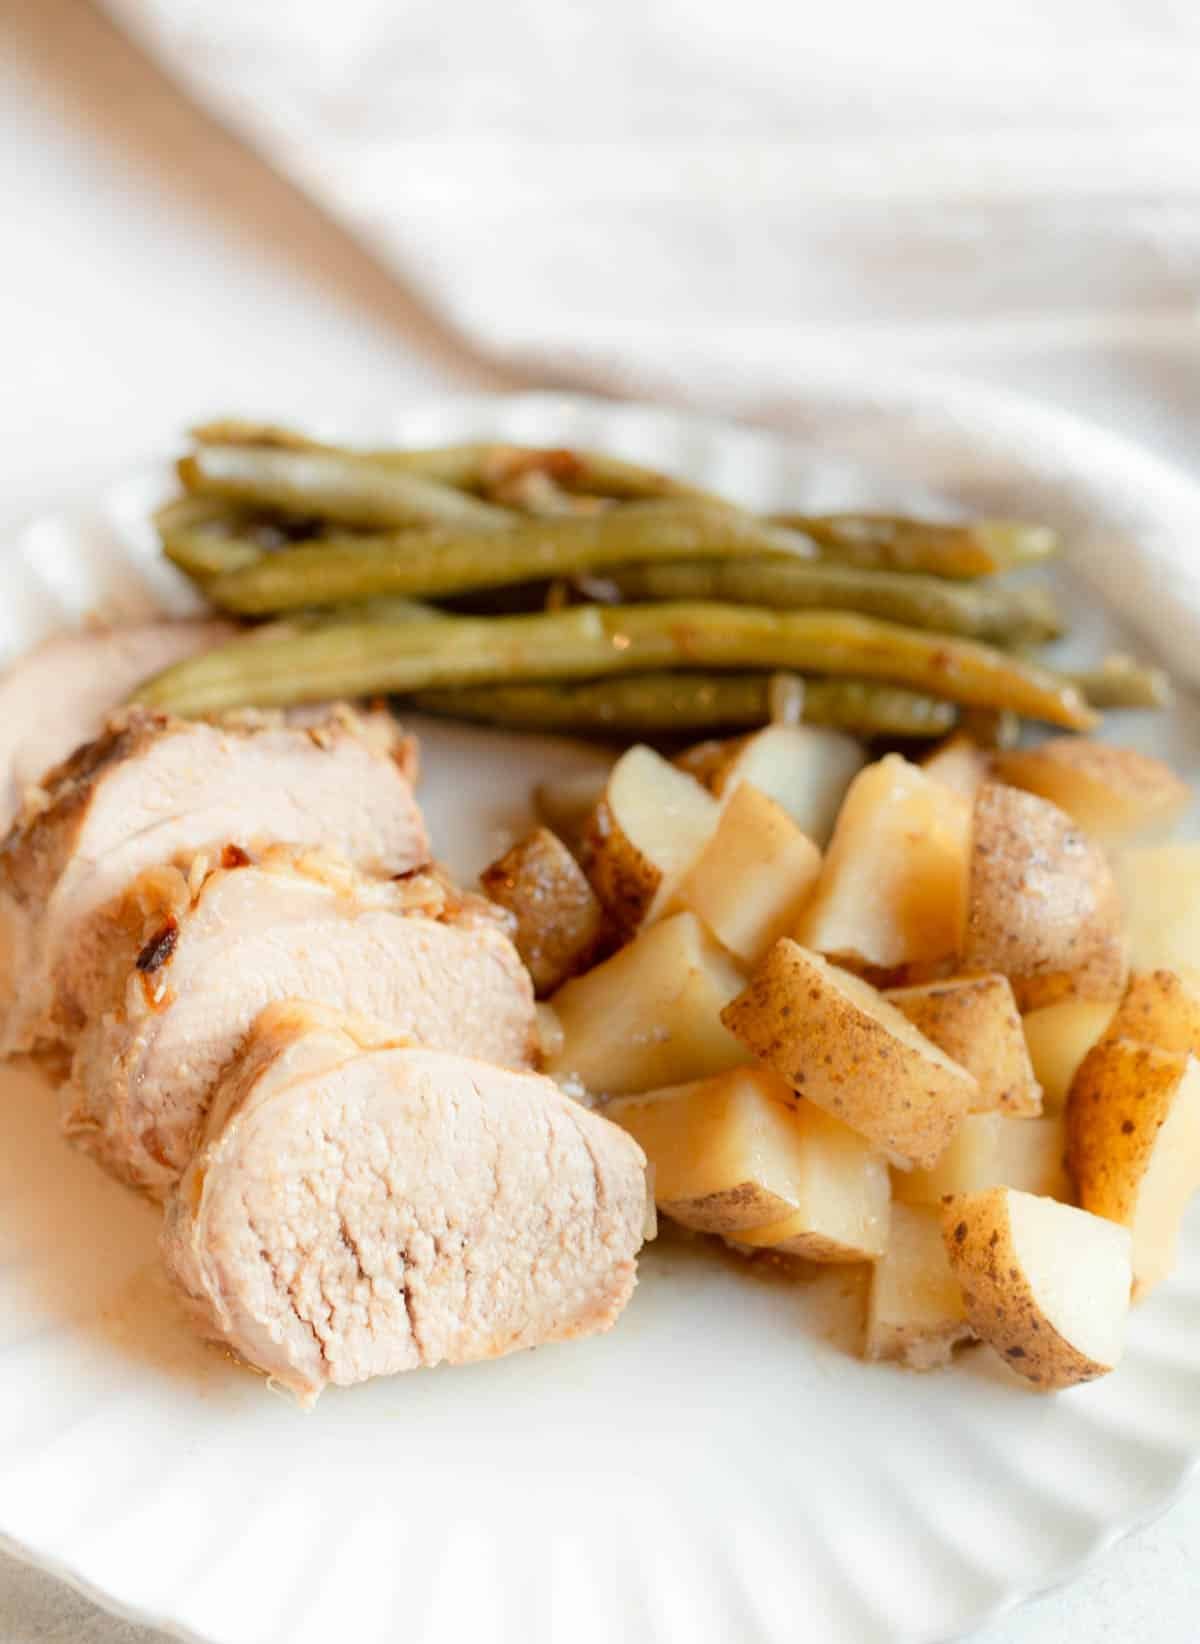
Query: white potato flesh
1045, 1284
651, 1015
893, 885
974, 1020
728, 1152
1160, 888
842, 1197
805, 769
994, 1150
959, 763
1078, 1272
750, 882
652, 823
1059, 1037
915, 1312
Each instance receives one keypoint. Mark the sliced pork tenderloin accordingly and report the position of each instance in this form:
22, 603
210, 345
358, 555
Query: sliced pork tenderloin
59, 695
153, 790
205, 950
359, 1208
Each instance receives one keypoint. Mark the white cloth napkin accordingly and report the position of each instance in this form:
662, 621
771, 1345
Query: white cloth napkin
777, 207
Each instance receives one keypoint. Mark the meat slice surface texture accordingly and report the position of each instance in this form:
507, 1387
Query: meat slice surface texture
359, 1208
152, 790
436, 967
59, 695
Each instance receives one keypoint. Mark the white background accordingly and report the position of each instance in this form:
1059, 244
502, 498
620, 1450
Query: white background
152, 270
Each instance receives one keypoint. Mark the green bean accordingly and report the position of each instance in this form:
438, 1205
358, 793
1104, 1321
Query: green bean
662, 703
430, 563
367, 658
1000, 615
460, 466
1122, 682
204, 537
888, 542
349, 489
590, 472
485, 466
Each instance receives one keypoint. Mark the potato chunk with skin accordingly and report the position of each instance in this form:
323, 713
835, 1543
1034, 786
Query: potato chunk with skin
842, 1196
728, 1152
1133, 1145
1043, 907
651, 824
1160, 887
995, 1150
751, 880
650, 1016
974, 1020
839, 1043
1162, 1009
959, 763
1059, 1037
892, 889
1116, 795
1045, 1284
915, 1313
560, 924
805, 769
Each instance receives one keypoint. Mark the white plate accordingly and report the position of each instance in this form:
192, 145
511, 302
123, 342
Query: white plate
719, 1467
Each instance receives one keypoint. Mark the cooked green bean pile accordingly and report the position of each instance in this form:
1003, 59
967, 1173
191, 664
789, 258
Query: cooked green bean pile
576, 591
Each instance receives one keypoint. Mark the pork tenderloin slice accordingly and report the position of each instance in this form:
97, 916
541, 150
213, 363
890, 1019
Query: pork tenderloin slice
152, 790
359, 1208
196, 958
59, 694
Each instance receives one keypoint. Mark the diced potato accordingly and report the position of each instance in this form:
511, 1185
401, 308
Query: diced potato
995, 1150
893, 885
1043, 907
842, 1197
915, 1313
838, 1042
1160, 887
751, 880
959, 763
1133, 1144
1059, 1037
1116, 794
1045, 1284
1161, 1009
650, 1016
560, 924
974, 1020
566, 803
806, 769
649, 827
729, 1152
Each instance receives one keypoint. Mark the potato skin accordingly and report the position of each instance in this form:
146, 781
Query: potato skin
836, 1045
999, 1304
974, 1020
625, 880
1161, 1009
560, 924
1119, 1101
1043, 907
